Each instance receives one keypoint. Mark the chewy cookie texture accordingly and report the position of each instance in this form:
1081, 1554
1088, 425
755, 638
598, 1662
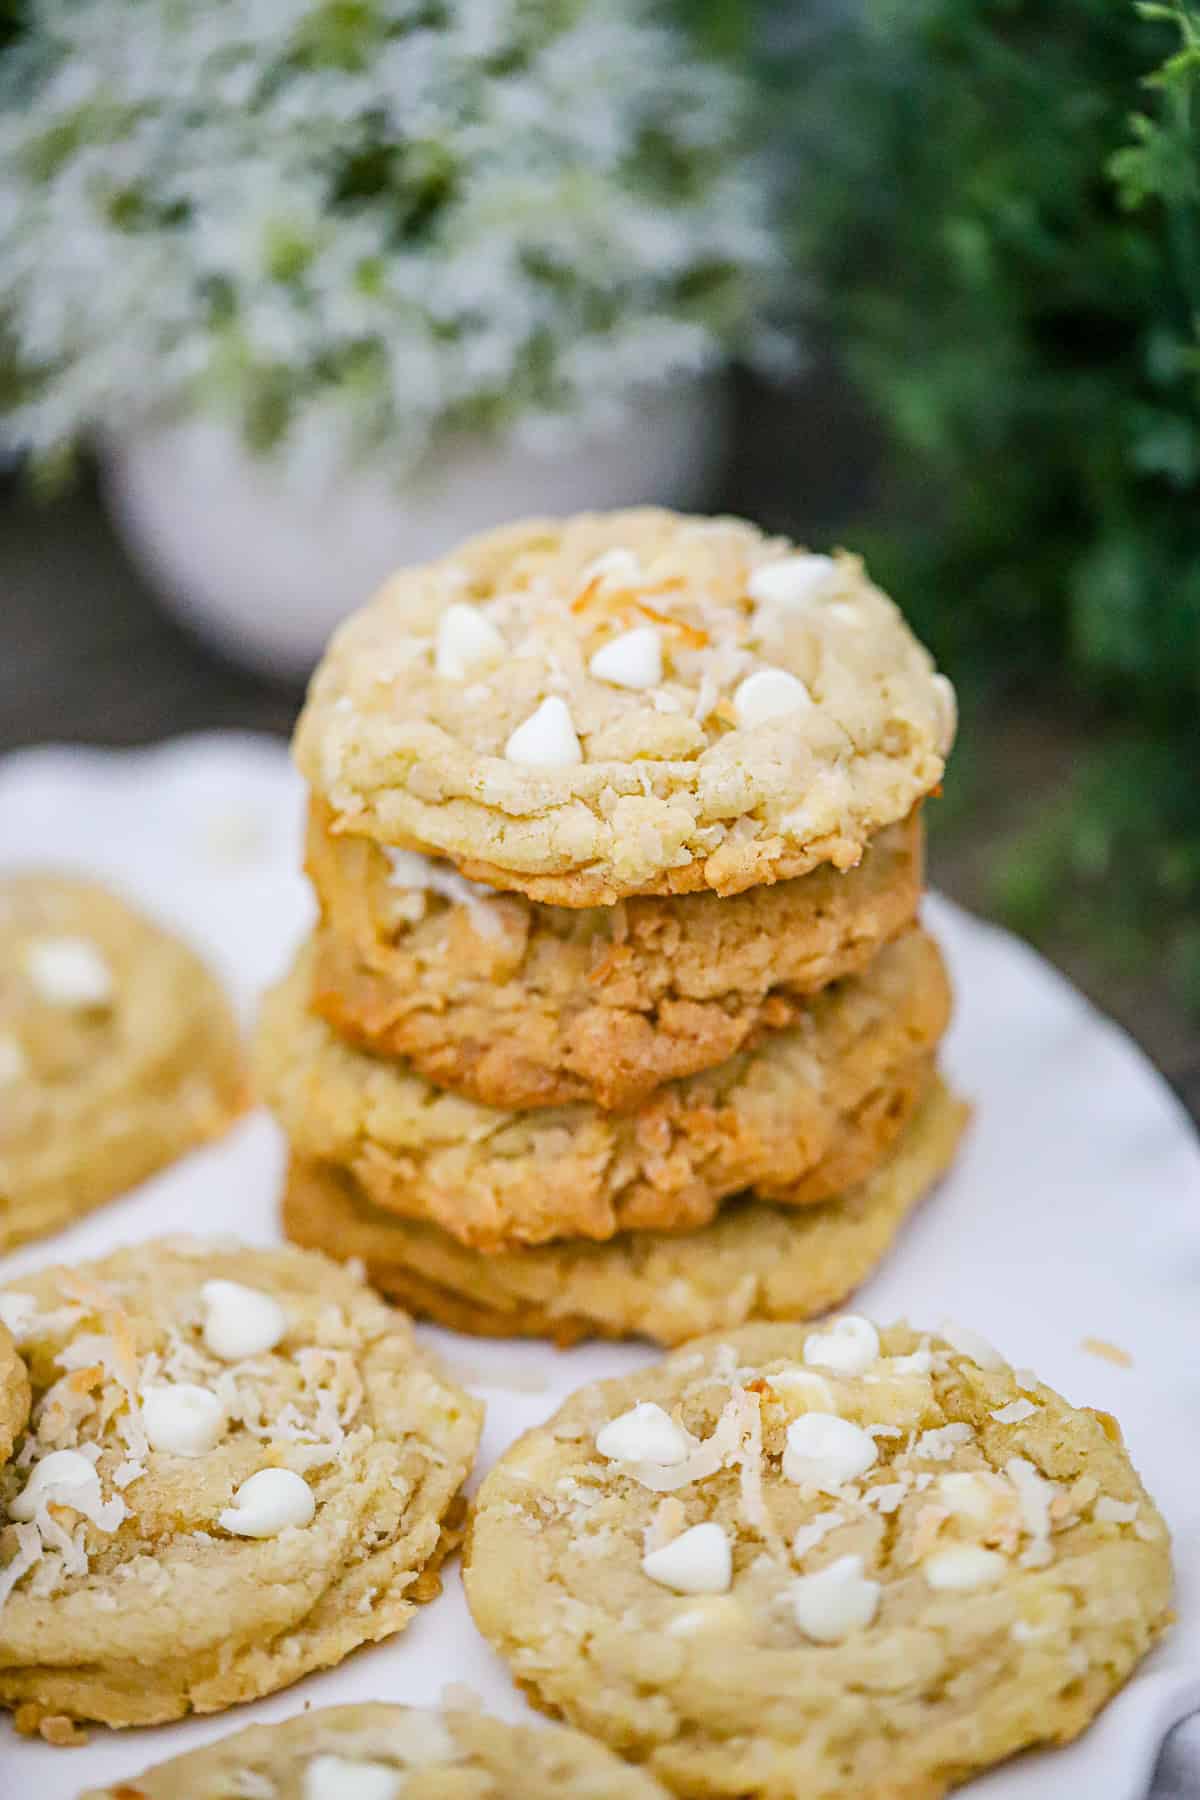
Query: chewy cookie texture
118, 1051
239, 1467
765, 1119
519, 1004
755, 1261
820, 1562
626, 703
377, 1752
615, 834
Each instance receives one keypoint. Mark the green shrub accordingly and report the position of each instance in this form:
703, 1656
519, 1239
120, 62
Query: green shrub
1005, 220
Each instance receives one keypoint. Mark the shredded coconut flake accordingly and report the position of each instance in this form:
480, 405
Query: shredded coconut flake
1014, 1412
1035, 1496
116, 1353
888, 1496
810, 1535
939, 1445
1115, 1512
30, 1550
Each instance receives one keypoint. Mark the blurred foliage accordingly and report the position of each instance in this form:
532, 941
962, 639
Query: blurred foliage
353, 229
1001, 200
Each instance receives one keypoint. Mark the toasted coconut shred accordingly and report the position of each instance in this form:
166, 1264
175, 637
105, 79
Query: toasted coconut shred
1113, 1353
98, 1391
96, 1400
116, 1354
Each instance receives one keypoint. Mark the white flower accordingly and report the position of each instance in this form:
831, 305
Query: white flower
374, 231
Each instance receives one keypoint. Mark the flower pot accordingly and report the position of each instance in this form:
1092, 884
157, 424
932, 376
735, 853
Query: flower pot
264, 569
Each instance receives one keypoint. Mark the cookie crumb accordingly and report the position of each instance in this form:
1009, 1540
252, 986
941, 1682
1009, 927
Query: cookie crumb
1112, 1353
63, 1733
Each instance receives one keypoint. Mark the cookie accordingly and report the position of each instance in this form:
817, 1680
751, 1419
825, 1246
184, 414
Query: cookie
14, 1393
626, 703
813, 1563
118, 1051
377, 1752
239, 1467
755, 1261
764, 1119
517, 1004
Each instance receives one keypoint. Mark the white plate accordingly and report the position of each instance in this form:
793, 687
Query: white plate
1074, 1212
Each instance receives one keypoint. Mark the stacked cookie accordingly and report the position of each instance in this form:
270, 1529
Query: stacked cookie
618, 1018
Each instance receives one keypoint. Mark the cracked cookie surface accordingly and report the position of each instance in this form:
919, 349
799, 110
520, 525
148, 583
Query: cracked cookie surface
118, 1051
854, 1061
238, 1468
624, 703
754, 1261
518, 1004
794, 1561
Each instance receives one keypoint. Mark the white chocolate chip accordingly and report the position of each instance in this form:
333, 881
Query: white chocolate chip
337, 1778
240, 1321
968, 1343
18, 1312
69, 972
850, 1346
795, 581
182, 1418
645, 1434
767, 695
632, 660
466, 642
919, 1362
547, 739
1115, 1512
961, 1568
13, 1061
832, 1603
698, 1562
268, 1503
823, 1451
64, 1477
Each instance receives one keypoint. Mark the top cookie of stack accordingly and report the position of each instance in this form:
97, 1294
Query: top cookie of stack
626, 703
